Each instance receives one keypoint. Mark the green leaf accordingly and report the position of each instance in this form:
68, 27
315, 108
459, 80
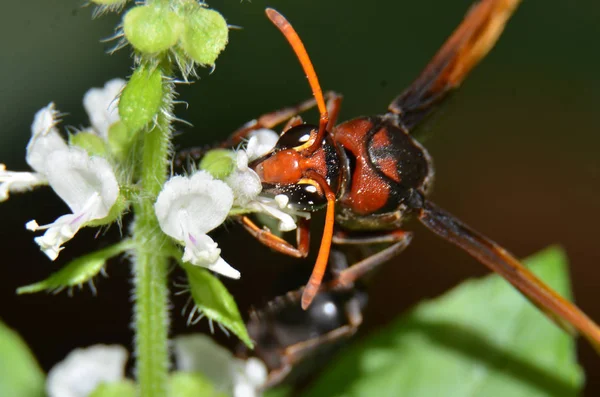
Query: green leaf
20, 374
213, 300
205, 35
125, 388
78, 271
186, 384
141, 97
280, 391
480, 339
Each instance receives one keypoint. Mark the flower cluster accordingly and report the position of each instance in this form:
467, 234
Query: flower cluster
82, 172
86, 182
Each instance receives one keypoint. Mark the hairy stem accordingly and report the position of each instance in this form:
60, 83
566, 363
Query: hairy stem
151, 262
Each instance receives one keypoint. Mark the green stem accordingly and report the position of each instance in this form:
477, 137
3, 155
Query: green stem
151, 306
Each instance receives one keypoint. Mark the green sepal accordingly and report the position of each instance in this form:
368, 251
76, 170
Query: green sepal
188, 384
483, 338
141, 97
78, 271
90, 142
20, 374
119, 140
115, 213
214, 301
152, 28
124, 388
218, 162
204, 36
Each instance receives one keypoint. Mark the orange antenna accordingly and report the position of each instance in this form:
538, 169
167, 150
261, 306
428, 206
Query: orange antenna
312, 287
292, 37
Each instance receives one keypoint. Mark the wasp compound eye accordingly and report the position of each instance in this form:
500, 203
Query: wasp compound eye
296, 136
305, 196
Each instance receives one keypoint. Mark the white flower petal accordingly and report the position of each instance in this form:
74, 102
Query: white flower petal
83, 370
76, 177
244, 182
271, 207
233, 376
200, 353
261, 142
16, 182
189, 207
87, 185
101, 105
45, 138
64, 228
192, 205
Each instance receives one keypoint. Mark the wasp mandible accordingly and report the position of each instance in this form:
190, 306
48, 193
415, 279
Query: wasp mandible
371, 175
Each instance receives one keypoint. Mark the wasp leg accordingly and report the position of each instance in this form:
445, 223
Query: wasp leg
297, 352
400, 239
272, 119
470, 42
558, 309
278, 244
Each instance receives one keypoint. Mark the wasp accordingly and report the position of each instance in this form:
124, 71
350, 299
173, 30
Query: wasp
371, 175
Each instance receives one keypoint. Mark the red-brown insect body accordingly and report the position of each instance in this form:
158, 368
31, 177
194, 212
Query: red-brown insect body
377, 170
388, 173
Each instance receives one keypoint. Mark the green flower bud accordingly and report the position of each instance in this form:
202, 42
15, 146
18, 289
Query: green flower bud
152, 29
90, 142
141, 98
218, 162
205, 35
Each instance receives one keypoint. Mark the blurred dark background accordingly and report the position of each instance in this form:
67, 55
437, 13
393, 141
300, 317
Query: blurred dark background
516, 150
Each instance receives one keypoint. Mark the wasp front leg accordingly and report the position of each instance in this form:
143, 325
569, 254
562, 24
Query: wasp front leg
266, 237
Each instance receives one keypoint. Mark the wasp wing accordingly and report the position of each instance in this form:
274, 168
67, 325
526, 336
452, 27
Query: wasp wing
469, 43
558, 309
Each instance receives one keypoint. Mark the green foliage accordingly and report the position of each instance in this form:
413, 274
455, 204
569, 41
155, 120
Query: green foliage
125, 388
141, 97
205, 35
185, 384
78, 271
20, 374
213, 300
480, 339
152, 28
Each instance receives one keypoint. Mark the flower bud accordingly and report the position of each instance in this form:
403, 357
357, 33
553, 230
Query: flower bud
151, 29
141, 98
205, 35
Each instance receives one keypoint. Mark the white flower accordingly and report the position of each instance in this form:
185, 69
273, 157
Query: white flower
244, 182
233, 376
86, 184
101, 105
261, 142
16, 182
187, 209
45, 139
247, 187
83, 370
